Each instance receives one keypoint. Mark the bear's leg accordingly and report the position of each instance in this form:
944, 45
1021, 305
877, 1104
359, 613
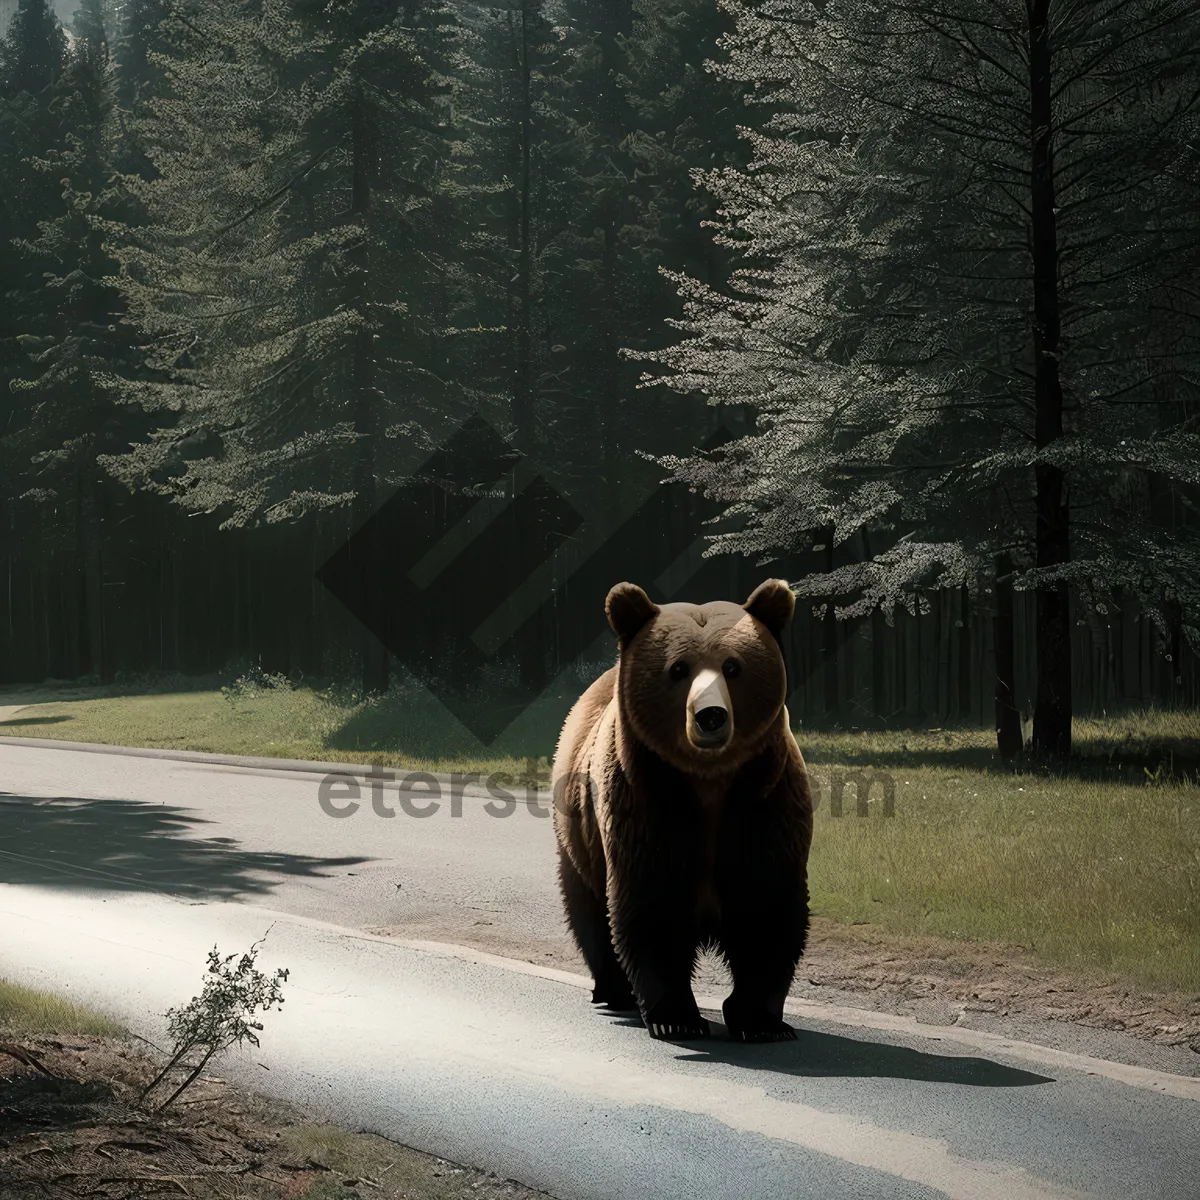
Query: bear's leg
762, 947
675, 1017
587, 916
654, 932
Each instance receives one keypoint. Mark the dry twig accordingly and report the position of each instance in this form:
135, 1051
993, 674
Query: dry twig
27, 1057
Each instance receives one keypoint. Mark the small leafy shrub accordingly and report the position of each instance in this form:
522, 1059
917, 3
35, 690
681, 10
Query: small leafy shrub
253, 681
222, 1016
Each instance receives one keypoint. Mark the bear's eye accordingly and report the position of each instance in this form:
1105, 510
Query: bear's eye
679, 670
731, 668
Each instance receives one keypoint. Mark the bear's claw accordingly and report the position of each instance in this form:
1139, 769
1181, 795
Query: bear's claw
675, 1020
677, 1033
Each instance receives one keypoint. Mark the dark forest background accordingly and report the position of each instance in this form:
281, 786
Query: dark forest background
261, 258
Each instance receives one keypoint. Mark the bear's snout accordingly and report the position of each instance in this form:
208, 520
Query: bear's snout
710, 714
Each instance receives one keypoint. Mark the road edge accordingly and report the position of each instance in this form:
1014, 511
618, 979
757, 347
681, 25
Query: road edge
245, 762
1185, 1087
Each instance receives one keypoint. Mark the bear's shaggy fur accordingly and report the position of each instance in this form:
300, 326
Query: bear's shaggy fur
683, 813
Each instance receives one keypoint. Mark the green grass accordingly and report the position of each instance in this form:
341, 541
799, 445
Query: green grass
408, 729
1089, 874
26, 1010
1094, 866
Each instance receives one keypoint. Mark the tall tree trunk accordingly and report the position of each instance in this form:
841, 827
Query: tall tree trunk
1175, 677
879, 665
613, 423
91, 533
964, 655
522, 400
830, 629
530, 649
1008, 719
375, 659
615, 21
9, 654
1052, 714
943, 602
881, 652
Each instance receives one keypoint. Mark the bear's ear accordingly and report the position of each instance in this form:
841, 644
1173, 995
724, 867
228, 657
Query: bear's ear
772, 603
628, 609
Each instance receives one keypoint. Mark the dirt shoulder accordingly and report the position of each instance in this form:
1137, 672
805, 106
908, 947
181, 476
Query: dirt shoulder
77, 1132
944, 982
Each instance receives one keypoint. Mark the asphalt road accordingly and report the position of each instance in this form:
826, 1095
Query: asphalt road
214, 831
117, 873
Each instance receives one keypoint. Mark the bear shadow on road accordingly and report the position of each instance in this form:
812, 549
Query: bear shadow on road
123, 845
828, 1054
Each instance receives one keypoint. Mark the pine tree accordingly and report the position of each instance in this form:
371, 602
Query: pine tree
581, 131
89, 25
70, 313
31, 57
582, 155
609, 279
284, 269
954, 334
31, 52
139, 29
686, 118
520, 143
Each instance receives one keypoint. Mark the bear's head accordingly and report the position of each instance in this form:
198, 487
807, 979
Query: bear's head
702, 685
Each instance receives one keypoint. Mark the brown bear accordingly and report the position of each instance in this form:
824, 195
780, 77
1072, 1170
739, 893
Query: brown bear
683, 813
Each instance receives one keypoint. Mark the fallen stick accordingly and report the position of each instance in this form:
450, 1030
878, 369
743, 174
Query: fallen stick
27, 1057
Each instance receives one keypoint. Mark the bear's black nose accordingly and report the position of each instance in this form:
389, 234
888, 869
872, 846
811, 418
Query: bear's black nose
711, 719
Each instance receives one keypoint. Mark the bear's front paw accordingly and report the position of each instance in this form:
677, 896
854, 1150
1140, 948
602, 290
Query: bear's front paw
755, 1026
675, 1022
612, 991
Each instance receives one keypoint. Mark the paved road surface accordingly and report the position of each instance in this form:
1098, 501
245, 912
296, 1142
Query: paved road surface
118, 872
206, 830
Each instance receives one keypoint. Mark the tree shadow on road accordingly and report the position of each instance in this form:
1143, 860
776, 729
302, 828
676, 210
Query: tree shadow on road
816, 1054
122, 845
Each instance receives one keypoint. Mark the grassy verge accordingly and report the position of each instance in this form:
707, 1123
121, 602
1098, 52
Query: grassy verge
408, 729
1089, 872
1095, 866
27, 1011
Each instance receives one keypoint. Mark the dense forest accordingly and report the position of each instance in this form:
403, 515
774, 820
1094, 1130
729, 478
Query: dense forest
900, 301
